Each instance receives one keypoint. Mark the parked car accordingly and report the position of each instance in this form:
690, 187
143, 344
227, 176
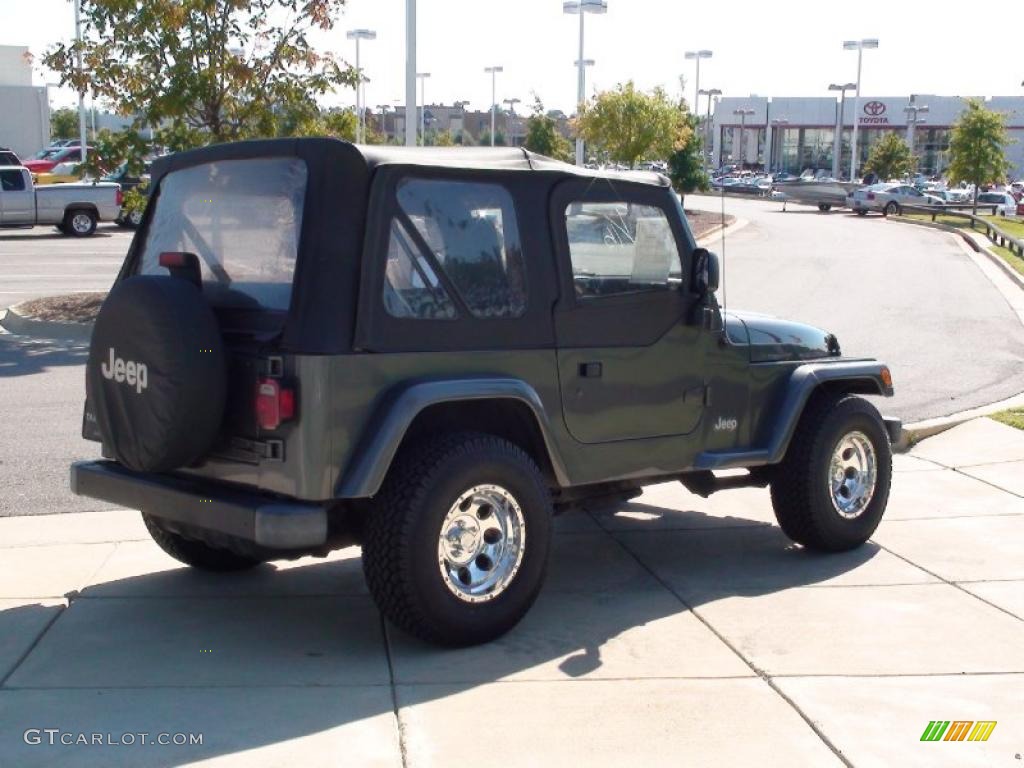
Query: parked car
129, 181
460, 345
888, 198
62, 173
46, 159
7, 157
1004, 203
74, 208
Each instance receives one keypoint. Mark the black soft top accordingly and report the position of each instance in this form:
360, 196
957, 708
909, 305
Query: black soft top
324, 300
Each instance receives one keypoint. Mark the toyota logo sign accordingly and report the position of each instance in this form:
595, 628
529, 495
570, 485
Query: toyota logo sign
874, 108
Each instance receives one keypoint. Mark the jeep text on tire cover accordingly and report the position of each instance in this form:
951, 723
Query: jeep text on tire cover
432, 352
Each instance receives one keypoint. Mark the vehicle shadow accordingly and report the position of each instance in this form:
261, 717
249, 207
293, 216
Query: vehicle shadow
54, 234
22, 356
290, 661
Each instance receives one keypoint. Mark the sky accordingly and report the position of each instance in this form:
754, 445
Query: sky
784, 48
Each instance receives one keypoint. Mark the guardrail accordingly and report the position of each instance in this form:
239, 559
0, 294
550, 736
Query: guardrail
994, 233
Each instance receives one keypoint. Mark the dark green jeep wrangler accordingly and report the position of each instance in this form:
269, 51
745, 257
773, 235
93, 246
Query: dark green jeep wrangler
431, 353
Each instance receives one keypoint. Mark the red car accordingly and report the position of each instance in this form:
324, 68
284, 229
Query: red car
44, 160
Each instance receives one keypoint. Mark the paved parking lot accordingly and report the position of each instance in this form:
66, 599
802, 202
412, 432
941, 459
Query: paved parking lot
673, 631
42, 262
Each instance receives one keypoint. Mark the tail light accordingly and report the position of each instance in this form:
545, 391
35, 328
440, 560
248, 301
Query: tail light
119, 197
871, 195
274, 404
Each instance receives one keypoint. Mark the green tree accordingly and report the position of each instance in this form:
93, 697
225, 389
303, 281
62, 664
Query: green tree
485, 138
890, 158
630, 125
977, 153
208, 70
542, 134
686, 164
64, 123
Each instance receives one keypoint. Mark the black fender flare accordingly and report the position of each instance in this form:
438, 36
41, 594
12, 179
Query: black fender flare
386, 429
864, 376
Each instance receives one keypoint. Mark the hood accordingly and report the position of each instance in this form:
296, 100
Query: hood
771, 339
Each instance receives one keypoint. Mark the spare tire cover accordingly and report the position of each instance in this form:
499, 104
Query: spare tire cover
156, 376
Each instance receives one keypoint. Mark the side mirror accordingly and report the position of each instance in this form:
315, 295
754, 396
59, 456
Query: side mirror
706, 272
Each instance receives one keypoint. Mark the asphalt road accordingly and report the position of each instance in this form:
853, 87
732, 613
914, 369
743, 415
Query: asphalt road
905, 294
43, 262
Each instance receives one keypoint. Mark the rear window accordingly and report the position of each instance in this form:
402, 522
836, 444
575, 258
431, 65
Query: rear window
242, 218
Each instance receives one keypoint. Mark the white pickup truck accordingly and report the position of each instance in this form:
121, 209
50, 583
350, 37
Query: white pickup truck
75, 209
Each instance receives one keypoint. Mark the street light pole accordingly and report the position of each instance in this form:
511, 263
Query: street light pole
912, 110
837, 140
743, 113
81, 93
697, 56
512, 120
710, 93
859, 46
494, 94
358, 35
410, 73
423, 106
582, 7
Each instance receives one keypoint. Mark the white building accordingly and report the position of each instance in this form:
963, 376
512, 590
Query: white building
794, 134
24, 108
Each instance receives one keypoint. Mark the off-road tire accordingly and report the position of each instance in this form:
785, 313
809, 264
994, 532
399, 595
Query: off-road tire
196, 553
400, 548
800, 489
70, 217
892, 208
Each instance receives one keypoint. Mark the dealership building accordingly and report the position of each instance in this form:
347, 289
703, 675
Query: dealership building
797, 134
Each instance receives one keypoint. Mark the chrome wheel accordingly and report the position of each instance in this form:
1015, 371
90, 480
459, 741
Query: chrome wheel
481, 544
81, 223
135, 218
852, 474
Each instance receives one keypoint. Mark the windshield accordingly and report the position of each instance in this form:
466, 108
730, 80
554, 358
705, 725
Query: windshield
242, 218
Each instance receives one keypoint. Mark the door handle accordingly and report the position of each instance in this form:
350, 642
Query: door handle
591, 370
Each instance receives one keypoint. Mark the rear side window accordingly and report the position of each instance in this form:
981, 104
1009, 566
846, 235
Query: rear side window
620, 247
12, 181
242, 218
470, 232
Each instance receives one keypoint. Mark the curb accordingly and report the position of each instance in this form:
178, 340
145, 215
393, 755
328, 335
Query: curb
915, 433
22, 325
719, 232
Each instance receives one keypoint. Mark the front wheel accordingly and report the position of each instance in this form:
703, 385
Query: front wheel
831, 490
824, 207
456, 545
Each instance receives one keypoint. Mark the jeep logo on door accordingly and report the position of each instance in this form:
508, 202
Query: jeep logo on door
874, 108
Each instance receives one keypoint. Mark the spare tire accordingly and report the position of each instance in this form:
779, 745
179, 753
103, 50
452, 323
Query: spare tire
156, 376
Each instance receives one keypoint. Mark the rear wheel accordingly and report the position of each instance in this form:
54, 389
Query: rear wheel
892, 208
824, 207
79, 223
831, 490
456, 546
196, 553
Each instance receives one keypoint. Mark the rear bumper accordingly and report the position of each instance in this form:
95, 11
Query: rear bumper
263, 520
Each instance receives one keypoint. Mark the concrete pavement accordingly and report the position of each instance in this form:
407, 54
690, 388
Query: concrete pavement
674, 630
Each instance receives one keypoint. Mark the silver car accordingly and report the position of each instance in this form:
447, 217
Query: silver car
888, 198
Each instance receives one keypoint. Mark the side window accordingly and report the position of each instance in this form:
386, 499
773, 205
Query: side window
12, 181
472, 233
620, 247
411, 288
